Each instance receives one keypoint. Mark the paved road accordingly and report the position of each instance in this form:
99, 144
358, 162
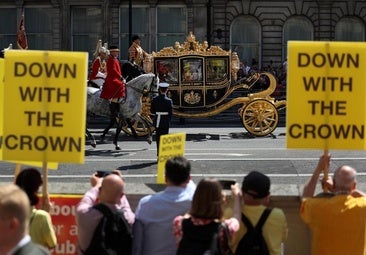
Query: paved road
223, 152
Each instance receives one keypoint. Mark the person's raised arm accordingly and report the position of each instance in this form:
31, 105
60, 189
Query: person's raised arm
236, 193
309, 187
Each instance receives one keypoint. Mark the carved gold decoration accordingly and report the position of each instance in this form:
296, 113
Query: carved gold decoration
191, 47
235, 64
192, 98
148, 64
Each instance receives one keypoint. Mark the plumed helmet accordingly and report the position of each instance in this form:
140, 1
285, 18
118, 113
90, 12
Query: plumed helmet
102, 50
135, 37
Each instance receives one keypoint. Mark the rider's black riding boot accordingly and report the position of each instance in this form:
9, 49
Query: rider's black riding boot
114, 108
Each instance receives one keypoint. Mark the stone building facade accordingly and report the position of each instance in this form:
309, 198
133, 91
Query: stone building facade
257, 29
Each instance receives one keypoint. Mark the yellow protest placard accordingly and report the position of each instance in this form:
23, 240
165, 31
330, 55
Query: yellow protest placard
326, 95
44, 106
171, 145
1, 99
37, 164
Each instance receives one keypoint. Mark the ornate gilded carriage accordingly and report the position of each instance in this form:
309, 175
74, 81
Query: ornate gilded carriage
199, 76
201, 79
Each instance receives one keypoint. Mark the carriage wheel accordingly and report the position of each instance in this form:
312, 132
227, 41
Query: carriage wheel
140, 127
259, 117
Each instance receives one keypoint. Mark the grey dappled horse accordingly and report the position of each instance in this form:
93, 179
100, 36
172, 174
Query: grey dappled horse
130, 110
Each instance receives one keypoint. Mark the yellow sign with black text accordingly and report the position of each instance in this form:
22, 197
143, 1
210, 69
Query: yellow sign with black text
326, 90
171, 145
30, 163
44, 106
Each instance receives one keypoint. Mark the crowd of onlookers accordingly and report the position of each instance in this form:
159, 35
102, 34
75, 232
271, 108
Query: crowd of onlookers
184, 217
279, 72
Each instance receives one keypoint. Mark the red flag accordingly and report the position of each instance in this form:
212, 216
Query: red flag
22, 41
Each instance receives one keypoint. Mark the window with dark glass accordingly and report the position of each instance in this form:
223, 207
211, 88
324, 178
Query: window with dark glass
296, 28
140, 27
86, 28
171, 26
8, 27
245, 38
350, 29
38, 27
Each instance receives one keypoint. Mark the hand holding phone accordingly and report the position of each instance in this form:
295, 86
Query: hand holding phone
226, 184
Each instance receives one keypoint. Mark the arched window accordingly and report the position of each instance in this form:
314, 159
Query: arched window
245, 38
296, 29
350, 29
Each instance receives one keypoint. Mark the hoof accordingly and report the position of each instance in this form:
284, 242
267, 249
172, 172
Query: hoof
118, 148
93, 145
149, 141
102, 137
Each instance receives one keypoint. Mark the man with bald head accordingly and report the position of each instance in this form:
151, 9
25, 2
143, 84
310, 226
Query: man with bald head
109, 190
337, 221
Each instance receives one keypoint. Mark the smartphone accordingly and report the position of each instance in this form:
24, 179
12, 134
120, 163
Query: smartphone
226, 184
103, 173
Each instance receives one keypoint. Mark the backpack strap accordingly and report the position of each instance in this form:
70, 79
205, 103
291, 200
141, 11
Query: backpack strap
103, 209
261, 221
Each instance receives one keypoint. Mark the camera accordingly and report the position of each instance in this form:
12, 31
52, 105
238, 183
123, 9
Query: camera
226, 184
103, 173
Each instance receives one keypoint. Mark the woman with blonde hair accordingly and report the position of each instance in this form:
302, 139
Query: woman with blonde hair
204, 228
40, 226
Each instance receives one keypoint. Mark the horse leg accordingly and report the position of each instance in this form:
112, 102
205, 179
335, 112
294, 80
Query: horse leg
112, 121
147, 124
113, 108
129, 123
91, 137
118, 131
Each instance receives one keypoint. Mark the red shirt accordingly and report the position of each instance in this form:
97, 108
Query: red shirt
113, 86
97, 66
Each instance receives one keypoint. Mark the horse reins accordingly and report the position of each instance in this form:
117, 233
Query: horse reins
138, 90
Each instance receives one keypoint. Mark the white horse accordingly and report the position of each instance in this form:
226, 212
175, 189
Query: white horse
130, 110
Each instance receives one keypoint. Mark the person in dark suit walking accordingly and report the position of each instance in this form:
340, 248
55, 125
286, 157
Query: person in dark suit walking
14, 220
161, 110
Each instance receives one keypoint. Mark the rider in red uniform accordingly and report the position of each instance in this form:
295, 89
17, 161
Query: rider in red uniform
114, 87
113, 90
99, 67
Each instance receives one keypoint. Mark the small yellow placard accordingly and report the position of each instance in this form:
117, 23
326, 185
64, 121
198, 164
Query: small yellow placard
170, 146
44, 106
326, 95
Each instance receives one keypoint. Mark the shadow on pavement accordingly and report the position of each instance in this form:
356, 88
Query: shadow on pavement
112, 152
136, 166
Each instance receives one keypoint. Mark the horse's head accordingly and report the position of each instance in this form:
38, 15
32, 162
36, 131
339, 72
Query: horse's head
130, 70
142, 83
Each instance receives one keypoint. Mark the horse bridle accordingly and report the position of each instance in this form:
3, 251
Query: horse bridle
142, 91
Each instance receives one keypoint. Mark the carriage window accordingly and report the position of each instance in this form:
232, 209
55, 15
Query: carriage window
216, 69
167, 70
191, 70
